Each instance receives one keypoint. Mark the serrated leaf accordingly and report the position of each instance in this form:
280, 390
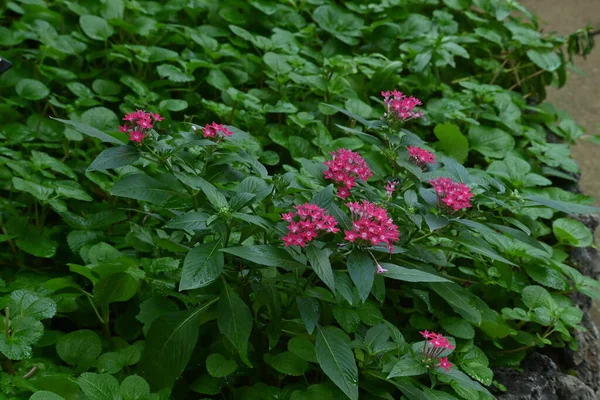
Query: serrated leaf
29, 304
336, 359
459, 299
99, 386
134, 387
24, 331
79, 347
407, 366
202, 266
310, 312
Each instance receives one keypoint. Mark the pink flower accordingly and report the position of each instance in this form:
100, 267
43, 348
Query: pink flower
399, 107
136, 136
215, 130
421, 156
156, 117
124, 128
427, 335
444, 363
435, 344
454, 195
390, 188
313, 219
371, 225
345, 167
380, 269
144, 123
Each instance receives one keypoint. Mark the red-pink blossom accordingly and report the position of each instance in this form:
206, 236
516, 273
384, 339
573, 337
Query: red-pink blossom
453, 194
421, 156
141, 123
380, 269
434, 346
215, 130
371, 225
444, 363
390, 188
400, 107
312, 220
345, 167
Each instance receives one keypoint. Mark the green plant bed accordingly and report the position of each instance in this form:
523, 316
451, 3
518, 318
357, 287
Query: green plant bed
157, 268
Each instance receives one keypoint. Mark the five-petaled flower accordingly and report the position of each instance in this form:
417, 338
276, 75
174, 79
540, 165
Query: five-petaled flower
420, 156
444, 363
390, 188
400, 107
141, 123
313, 219
345, 167
371, 225
215, 130
453, 194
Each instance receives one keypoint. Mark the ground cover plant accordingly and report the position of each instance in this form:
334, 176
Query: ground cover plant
227, 258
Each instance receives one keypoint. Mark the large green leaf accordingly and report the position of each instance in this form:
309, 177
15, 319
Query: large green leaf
336, 359
79, 347
235, 321
319, 260
407, 366
145, 188
202, 266
459, 299
451, 141
115, 157
16, 343
215, 198
170, 342
361, 268
491, 142
266, 255
572, 232
91, 131
99, 386
564, 206
410, 275
343, 25
95, 27
115, 288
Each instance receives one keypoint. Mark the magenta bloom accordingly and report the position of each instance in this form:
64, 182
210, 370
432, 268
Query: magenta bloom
371, 226
444, 363
215, 130
390, 188
453, 194
345, 168
421, 156
141, 123
400, 107
380, 269
313, 219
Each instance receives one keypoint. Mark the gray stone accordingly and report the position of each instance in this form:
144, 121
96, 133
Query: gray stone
536, 382
569, 387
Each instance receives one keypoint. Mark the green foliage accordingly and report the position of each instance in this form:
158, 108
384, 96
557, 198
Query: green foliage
157, 270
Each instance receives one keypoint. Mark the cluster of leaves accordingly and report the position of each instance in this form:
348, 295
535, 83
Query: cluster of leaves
115, 281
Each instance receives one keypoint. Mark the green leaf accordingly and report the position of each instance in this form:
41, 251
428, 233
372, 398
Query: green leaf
24, 331
409, 275
95, 27
202, 266
310, 312
190, 221
79, 347
29, 304
319, 260
173, 73
564, 206
463, 380
235, 321
215, 198
458, 327
31, 89
536, 297
143, 187
45, 395
572, 232
459, 299
451, 141
407, 366
40, 192
386, 77
303, 348
361, 268
115, 288
220, 367
115, 157
90, 131
173, 105
547, 60
134, 387
491, 142
99, 386
266, 255
343, 25
153, 308
289, 364
336, 359
111, 362
170, 343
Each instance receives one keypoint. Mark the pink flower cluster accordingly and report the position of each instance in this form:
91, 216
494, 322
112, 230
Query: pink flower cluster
454, 195
400, 107
141, 123
215, 130
312, 220
421, 156
344, 168
390, 187
371, 226
435, 345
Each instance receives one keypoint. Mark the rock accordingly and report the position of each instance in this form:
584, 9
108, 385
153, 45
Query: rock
537, 381
569, 387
